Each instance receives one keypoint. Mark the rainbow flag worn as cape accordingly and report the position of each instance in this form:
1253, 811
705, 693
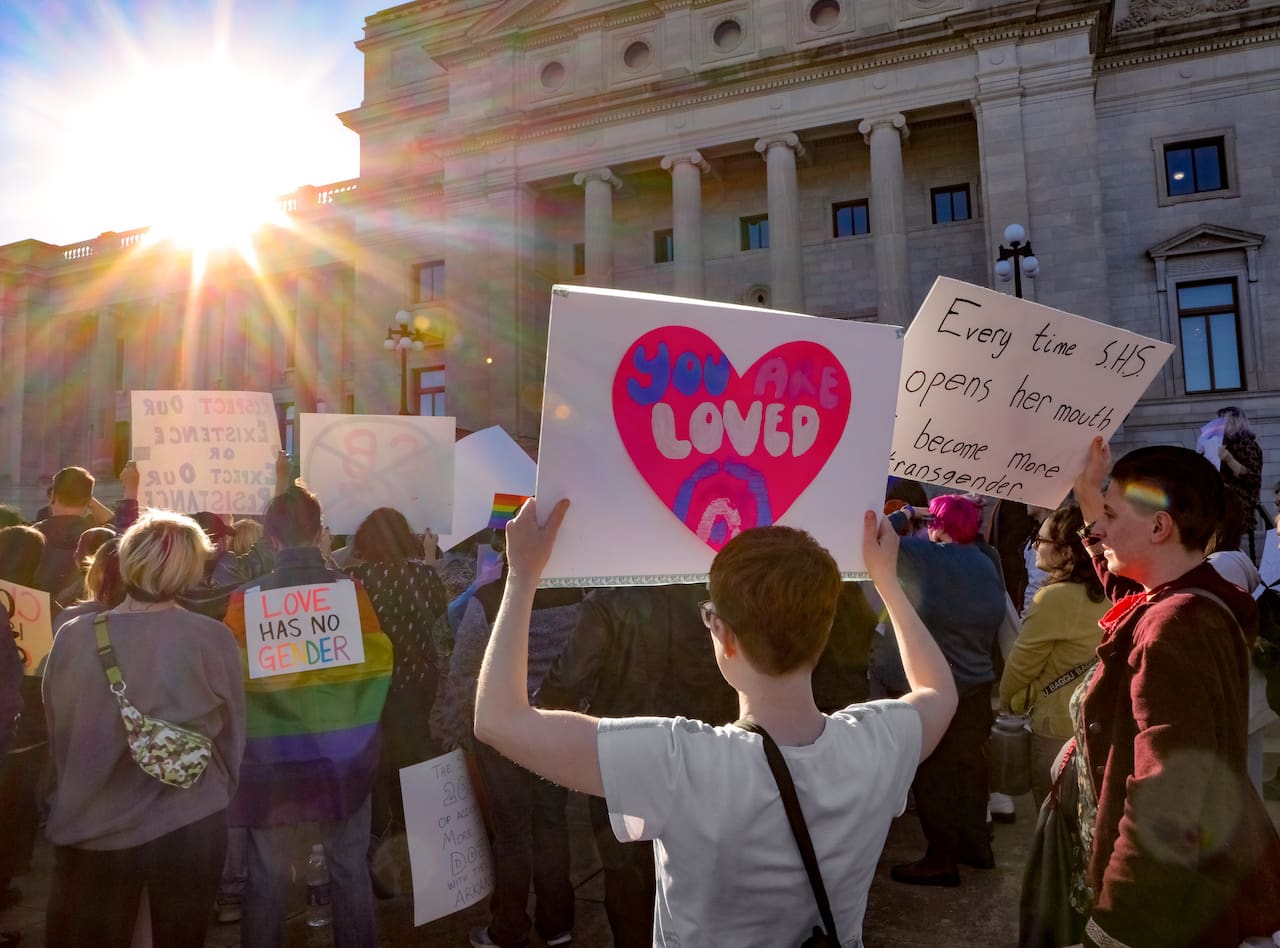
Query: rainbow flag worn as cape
311, 749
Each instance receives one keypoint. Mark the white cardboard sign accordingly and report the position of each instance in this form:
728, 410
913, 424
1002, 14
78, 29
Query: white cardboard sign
358, 463
30, 614
673, 424
485, 463
205, 450
448, 846
302, 628
1001, 396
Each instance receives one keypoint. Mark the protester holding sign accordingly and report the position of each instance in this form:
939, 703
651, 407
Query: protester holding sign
21, 550
1183, 852
312, 749
706, 795
115, 826
412, 609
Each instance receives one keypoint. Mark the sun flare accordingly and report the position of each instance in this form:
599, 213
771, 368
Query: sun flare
199, 150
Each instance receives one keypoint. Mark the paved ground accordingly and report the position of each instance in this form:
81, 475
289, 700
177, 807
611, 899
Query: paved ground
982, 912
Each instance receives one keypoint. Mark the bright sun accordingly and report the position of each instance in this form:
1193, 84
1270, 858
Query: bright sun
200, 152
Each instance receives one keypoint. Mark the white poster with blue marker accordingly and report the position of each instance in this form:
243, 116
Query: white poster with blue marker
672, 425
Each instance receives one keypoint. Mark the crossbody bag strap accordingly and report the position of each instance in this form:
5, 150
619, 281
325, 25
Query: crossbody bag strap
107, 655
1197, 591
795, 816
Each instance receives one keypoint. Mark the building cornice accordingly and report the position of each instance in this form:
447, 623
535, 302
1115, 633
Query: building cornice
1198, 47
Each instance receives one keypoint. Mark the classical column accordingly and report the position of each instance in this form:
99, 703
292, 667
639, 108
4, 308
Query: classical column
102, 399
599, 186
786, 265
686, 217
885, 136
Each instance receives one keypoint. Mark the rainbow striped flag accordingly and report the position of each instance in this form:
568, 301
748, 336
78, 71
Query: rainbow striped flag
311, 748
505, 507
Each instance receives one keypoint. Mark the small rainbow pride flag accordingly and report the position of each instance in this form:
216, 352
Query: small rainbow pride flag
505, 507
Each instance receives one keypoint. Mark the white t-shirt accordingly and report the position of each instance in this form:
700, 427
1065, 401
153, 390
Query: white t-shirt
728, 869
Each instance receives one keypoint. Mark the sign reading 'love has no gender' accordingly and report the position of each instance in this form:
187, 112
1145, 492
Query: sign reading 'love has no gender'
673, 425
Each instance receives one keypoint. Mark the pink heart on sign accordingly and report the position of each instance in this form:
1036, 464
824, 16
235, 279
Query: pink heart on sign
725, 452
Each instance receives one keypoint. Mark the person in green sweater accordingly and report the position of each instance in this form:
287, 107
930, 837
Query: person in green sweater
1057, 644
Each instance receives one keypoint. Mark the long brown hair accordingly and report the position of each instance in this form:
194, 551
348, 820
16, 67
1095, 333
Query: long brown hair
1077, 566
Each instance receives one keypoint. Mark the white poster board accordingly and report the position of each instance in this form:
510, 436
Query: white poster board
302, 628
32, 623
212, 451
485, 463
1001, 396
358, 463
448, 846
672, 424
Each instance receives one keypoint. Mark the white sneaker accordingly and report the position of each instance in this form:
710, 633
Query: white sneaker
562, 939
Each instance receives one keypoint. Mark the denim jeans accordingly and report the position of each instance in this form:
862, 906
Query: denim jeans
530, 842
271, 857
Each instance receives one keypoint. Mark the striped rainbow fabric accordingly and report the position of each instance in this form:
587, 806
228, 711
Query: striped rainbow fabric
312, 737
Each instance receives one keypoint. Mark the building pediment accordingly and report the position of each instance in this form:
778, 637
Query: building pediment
1206, 238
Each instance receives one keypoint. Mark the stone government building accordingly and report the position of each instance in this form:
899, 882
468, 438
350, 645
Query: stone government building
824, 156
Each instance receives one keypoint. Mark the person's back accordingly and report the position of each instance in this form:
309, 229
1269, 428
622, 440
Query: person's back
311, 753
69, 517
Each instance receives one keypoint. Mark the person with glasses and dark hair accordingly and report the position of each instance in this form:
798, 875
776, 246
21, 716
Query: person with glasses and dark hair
1056, 646
706, 795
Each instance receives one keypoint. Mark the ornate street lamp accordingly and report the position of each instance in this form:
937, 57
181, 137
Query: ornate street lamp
1024, 260
402, 338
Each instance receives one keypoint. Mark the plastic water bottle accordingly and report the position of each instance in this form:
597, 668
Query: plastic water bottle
319, 909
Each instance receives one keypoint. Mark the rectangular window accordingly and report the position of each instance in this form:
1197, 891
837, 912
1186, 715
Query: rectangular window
579, 259
950, 203
1209, 326
754, 232
1195, 167
287, 416
428, 390
664, 246
850, 218
428, 281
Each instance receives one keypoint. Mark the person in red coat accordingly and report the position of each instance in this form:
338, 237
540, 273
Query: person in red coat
1184, 853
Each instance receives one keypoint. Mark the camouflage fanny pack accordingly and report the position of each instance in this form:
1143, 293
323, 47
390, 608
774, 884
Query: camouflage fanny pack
174, 755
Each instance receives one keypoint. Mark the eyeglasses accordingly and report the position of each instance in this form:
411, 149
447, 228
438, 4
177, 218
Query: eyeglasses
707, 610
1037, 542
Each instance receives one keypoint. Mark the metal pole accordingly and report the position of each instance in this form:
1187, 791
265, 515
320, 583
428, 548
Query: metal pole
1017, 272
404, 381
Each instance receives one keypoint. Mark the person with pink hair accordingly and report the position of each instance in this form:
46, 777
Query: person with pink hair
956, 588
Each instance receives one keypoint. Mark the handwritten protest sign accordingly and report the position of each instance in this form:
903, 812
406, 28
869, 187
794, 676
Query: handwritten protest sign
302, 628
32, 623
358, 463
672, 425
205, 450
485, 463
1000, 396
448, 847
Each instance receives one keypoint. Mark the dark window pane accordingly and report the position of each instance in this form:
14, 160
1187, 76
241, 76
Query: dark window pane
844, 221
1178, 170
1226, 351
431, 378
1208, 168
663, 246
942, 207
764, 233
861, 220
579, 259
1207, 295
1195, 354
960, 205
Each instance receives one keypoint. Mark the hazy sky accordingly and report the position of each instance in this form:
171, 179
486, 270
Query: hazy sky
113, 112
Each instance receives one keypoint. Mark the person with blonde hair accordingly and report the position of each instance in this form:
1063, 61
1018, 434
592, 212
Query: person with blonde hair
115, 828
244, 535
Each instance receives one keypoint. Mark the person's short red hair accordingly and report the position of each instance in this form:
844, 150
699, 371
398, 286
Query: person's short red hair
956, 515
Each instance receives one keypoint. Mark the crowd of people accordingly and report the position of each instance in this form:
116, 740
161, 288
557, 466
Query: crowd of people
176, 787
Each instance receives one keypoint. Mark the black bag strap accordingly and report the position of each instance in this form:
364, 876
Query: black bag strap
795, 816
107, 655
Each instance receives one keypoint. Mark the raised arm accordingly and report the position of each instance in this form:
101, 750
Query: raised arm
1093, 474
933, 689
558, 745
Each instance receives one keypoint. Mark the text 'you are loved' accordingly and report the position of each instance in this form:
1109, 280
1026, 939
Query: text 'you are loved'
726, 451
